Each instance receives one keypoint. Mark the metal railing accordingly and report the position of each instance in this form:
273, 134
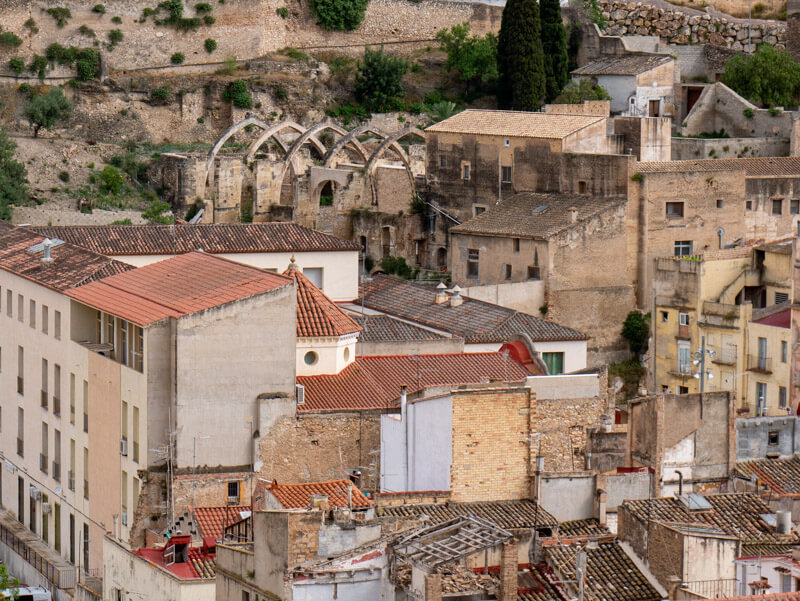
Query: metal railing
20, 447
56, 406
56, 471
86, 489
71, 480
43, 402
43, 463
759, 363
20, 385
86, 422
61, 577
713, 589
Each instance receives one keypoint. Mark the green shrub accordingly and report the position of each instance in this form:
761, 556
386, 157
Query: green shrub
295, 54
17, 65
111, 180
125, 221
175, 17
340, 15
155, 212
238, 93
209, 20
88, 64
379, 81
38, 65
160, 95
210, 45
202, 8
24, 88
774, 111
636, 330
60, 14
282, 12
396, 266
177, 58
64, 176
115, 36
228, 67
630, 372
31, 25
116, 20
9, 40
201, 120
281, 93
748, 113
87, 31
100, 9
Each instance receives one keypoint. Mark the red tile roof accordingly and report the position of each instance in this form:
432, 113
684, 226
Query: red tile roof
198, 566
72, 265
175, 287
317, 315
212, 520
374, 382
298, 496
212, 238
772, 597
781, 319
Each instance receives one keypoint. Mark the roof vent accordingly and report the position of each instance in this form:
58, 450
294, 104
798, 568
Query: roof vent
573, 214
441, 295
456, 299
318, 501
695, 502
37, 248
539, 209
47, 260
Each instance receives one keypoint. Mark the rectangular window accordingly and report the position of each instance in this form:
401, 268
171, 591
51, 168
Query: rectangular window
43, 458
684, 357
9, 300
748, 204
20, 370
57, 325
784, 351
57, 455
505, 173
534, 273
794, 206
86, 406
720, 203
477, 210
664, 316
554, 363
507, 271
683, 319
45, 325
777, 206
45, 377
135, 436
85, 473
516, 244
20, 307
782, 397
72, 398
233, 492
442, 162
473, 257
773, 437
20, 431
683, 248
56, 389
71, 473
674, 209
761, 399
465, 171
32, 313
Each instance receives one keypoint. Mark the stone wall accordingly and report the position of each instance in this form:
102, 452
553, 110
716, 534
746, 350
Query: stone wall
675, 27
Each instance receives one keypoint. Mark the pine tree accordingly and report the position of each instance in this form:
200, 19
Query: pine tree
554, 46
520, 63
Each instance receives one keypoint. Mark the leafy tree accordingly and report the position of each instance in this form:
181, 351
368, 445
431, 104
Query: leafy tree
520, 64
396, 266
340, 15
238, 94
770, 77
156, 212
439, 111
636, 331
554, 47
210, 45
584, 89
46, 110
13, 191
475, 58
111, 181
379, 80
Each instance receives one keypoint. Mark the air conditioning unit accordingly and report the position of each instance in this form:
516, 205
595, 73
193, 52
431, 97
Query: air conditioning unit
46, 507
300, 393
36, 494
123, 447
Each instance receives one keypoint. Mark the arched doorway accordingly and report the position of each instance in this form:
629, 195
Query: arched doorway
441, 258
326, 194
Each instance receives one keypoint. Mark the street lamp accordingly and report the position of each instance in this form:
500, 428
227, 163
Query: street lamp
700, 361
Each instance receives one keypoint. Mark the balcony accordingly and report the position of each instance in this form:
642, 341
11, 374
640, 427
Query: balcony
136, 451
20, 385
43, 401
71, 480
20, 447
124, 515
759, 364
706, 589
43, 463
56, 406
56, 471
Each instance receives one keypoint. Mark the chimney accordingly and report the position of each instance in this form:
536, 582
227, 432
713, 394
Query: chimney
47, 260
783, 520
508, 572
456, 299
441, 295
573, 214
318, 501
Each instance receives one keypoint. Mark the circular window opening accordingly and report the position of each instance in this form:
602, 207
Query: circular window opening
310, 358
347, 354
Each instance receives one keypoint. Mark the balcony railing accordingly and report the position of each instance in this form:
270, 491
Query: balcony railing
136, 451
86, 422
20, 385
72, 414
86, 489
43, 402
759, 363
124, 515
685, 368
20, 447
23, 543
43, 463
713, 589
71, 480
56, 406
56, 471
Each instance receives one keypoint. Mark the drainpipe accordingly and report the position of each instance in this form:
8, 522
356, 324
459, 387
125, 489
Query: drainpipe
680, 483
404, 421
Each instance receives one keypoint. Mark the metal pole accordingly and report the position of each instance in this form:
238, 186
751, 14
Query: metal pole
194, 465
702, 364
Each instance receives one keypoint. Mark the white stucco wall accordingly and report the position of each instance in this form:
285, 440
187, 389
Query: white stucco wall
620, 88
333, 354
574, 352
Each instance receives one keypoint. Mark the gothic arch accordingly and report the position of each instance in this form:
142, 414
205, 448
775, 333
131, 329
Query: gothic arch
312, 132
353, 135
236, 127
271, 132
392, 141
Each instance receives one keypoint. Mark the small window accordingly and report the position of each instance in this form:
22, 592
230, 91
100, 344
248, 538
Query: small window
310, 358
683, 390
32, 313
507, 142
507, 271
533, 272
44, 319
784, 351
674, 209
683, 319
57, 324
478, 209
554, 363
748, 204
233, 491
683, 248
794, 206
782, 397
473, 258
664, 316
20, 307
506, 174
10, 297
442, 162
773, 437
516, 245
465, 171
781, 297
581, 187
777, 206
720, 203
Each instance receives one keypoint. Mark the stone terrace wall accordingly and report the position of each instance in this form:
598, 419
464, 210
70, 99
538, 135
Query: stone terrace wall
675, 27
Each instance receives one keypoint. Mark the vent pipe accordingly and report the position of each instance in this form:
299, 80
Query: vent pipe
783, 520
441, 295
47, 260
573, 214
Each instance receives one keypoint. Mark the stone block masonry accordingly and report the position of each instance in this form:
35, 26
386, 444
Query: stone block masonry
675, 27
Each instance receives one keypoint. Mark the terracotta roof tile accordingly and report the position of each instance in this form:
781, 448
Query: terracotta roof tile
72, 265
510, 515
475, 321
781, 476
514, 124
213, 238
781, 319
587, 527
374, 382
772, 597
298, 496
630, 64
317, 315
197, 566
211, 521
384, 328
534, 215
175, 287
753, 167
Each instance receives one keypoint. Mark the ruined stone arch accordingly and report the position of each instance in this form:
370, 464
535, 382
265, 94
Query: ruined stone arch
273, 131
353, 135
312, 132
376, 156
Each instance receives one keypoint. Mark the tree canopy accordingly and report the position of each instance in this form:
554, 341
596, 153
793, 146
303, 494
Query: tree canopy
769, 77
584, 89
520, 64
474, 57
379, 81
341, 15
13, 179
554, 47
45, 110
636, 330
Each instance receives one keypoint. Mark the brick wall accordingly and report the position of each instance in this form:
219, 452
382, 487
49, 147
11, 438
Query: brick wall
303, 536
491, 448
665, 553
562, 424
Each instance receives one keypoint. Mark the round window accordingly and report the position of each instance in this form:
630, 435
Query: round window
310, 358
347, 354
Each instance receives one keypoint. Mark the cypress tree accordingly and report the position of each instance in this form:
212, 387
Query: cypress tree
520, 63
554, 46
